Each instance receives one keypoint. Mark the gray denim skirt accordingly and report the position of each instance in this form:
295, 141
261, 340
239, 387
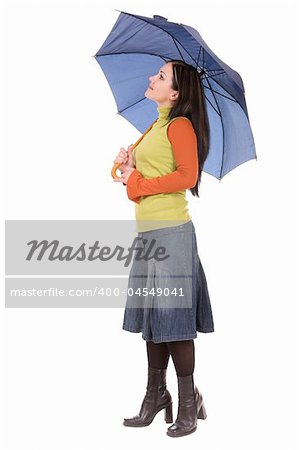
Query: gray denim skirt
167, 295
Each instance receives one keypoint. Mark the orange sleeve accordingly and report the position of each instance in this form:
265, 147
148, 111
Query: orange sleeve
183, 139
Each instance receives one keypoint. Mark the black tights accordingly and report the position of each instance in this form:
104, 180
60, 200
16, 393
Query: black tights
182, 353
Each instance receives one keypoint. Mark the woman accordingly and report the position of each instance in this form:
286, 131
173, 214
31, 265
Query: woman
169, 159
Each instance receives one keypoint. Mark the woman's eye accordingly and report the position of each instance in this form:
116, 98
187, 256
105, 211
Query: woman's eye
161, 78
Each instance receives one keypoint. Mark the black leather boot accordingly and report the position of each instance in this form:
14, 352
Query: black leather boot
156, 398
191, 408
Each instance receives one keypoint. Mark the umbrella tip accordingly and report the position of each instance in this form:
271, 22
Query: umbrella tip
156, 16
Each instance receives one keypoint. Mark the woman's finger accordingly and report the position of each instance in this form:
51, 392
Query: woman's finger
120, 159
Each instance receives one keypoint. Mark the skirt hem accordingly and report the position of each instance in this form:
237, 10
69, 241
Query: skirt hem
181, 337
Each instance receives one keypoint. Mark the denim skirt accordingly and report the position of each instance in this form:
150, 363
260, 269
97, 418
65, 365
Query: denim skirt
167, 295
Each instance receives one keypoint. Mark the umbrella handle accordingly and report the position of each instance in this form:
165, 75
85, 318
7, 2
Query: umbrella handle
113, 171
116, 165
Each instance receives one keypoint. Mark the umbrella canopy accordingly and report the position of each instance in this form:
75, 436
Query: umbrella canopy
138, 46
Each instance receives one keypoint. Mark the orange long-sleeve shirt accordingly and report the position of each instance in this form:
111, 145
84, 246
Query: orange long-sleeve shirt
182, 137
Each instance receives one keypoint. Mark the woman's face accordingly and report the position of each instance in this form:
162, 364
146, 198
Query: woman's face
160, 89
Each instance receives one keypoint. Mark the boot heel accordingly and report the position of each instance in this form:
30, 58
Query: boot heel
202, 414
168, 414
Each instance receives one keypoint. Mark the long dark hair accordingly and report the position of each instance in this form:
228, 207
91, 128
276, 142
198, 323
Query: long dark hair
191, 104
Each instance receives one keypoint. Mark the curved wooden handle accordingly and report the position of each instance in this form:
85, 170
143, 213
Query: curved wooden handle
114, 169
116, 165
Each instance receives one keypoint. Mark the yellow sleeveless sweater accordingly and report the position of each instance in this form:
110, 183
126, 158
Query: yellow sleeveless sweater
153, 157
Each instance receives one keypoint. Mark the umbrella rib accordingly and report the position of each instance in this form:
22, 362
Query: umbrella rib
129, 53
213, 95
222, 95
177, 48
130, 106
217, 112
222, 129
198, 55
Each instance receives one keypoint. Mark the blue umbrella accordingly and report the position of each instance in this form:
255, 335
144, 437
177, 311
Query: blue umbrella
136, 48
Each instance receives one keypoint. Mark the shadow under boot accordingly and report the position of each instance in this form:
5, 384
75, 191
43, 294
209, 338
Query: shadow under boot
191, 408
156, 398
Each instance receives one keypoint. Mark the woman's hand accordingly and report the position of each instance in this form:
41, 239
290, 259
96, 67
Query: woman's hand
125, 158
125, 176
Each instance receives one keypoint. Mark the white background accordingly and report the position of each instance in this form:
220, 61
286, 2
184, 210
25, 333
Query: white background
69, 376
